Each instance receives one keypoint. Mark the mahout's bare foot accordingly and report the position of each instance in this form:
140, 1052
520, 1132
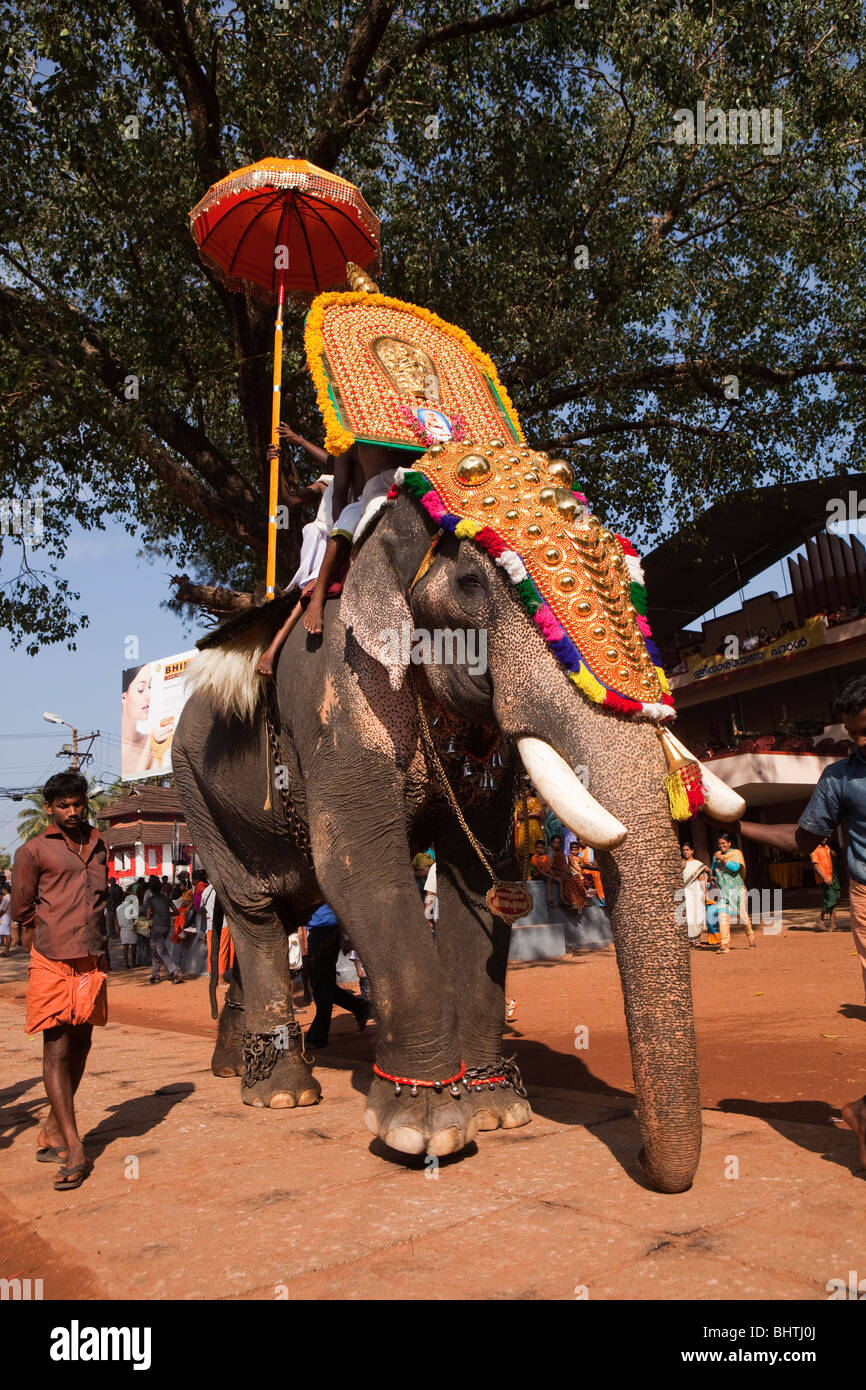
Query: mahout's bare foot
314, 616
854, 1115
432, 1122
265, 666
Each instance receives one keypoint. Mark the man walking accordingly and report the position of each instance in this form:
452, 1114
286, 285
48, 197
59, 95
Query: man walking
323, 944
158, 911
839, 798
59, 891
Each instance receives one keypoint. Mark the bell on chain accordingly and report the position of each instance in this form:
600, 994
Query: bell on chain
488, 781
451, 745
468, 770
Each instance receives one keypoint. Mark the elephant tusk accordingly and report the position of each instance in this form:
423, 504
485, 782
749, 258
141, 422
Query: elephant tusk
566, 795
722, 802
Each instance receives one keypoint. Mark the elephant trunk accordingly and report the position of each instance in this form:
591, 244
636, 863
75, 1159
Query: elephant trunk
643, 882
622, 767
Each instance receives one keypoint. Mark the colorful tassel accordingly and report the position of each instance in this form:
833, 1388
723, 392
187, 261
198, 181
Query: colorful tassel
683, 783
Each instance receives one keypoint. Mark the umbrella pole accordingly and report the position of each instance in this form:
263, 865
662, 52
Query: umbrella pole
273, 496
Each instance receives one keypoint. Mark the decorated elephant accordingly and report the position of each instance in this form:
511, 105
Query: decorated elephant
373, 743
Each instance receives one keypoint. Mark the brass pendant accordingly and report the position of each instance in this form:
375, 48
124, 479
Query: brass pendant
509, 901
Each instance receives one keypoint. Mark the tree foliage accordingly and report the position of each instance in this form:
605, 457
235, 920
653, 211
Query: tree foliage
494, 145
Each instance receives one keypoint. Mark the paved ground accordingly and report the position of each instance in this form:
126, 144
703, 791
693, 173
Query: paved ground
195, 1196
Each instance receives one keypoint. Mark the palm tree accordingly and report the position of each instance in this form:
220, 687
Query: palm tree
97, 801
34, 817
5, 861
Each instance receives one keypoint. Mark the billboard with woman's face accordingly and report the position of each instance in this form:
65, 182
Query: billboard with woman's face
152, 699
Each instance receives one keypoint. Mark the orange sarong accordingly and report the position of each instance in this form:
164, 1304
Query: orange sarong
227, 950
65, 991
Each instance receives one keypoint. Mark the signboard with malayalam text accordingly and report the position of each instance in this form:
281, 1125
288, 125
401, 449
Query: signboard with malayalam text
811, 634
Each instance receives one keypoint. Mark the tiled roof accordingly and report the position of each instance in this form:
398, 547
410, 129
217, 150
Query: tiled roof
146, 832
150, 801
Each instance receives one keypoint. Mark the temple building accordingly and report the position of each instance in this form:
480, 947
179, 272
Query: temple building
755, 687
147, 834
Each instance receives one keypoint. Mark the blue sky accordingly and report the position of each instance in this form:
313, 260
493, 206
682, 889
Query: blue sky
121, 594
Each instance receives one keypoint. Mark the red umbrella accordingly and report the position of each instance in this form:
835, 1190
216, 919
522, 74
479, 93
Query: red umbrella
279, 228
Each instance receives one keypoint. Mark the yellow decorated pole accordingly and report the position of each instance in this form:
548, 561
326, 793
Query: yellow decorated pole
273, 494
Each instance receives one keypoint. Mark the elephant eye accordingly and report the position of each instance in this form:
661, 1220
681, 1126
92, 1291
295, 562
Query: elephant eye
472, 582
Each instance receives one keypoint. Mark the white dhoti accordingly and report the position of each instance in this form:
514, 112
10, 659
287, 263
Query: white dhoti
356, 517
314, 538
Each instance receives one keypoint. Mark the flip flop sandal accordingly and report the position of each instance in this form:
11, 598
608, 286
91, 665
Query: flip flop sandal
51, 1155
82, 1169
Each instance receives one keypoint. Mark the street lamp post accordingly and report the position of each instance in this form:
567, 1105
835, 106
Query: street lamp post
55, 719
76, 756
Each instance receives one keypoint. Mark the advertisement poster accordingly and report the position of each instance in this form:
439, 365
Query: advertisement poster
152, 698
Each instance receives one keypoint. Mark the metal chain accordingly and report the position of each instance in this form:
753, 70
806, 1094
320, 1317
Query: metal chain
298, 828
504, 1066
261, 1055
430, 749
262, 1051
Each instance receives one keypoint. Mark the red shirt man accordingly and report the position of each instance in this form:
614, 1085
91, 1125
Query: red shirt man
59, 890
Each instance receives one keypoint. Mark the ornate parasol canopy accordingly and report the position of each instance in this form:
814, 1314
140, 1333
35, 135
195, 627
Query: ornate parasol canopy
284, 220
283, 228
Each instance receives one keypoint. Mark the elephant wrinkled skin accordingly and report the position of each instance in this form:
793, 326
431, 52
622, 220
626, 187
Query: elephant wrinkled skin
354, 762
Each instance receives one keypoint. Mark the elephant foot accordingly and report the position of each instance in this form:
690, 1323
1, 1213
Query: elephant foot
228, 1054
497, 1106
500, 1109
430, 1122
277, 1078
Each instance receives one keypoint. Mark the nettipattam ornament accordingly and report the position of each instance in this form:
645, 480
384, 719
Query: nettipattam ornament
391, 373
582, 585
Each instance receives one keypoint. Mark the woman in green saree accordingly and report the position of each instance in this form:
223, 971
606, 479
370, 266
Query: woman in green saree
729, 871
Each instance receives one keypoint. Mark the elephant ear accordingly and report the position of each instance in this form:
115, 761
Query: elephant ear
374, 607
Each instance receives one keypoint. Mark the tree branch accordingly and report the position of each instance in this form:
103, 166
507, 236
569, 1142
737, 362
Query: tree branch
367, 35
188, 440
648, 422
700, 370
209, 596
166, 28
346, 113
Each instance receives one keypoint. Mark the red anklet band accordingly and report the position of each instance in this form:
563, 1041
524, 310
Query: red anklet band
411, 1081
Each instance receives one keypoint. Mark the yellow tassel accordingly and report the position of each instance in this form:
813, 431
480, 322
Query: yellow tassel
677, 797
683, 781
267, 805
